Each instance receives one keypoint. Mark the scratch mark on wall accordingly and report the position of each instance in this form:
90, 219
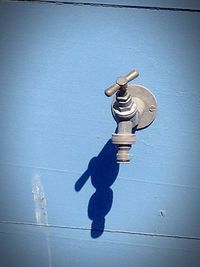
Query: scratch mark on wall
162, 213
41, 214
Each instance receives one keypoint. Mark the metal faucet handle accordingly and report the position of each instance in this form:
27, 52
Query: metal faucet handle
121, 83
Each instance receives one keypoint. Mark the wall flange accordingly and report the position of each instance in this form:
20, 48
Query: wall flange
140, 93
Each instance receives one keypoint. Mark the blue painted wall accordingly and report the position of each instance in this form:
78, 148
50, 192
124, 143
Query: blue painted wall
63, 199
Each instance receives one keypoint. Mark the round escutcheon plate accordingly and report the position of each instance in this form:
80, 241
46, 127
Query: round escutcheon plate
150, 105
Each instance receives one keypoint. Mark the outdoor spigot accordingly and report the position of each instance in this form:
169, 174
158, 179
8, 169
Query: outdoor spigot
133, 108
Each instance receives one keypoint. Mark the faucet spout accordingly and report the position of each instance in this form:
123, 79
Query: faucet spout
123, 139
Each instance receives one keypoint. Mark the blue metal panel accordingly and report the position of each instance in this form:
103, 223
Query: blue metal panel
57, 163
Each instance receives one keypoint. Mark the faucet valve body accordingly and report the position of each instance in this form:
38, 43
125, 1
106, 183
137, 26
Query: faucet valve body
131, 109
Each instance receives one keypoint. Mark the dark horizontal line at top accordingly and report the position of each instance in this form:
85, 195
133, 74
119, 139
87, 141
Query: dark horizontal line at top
157, 8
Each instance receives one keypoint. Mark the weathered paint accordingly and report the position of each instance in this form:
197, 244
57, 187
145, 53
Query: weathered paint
56, 61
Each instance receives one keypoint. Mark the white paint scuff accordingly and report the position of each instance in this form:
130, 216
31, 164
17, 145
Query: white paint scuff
41, 214
40, 202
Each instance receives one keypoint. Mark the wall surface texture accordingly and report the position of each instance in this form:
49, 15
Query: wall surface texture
64, 202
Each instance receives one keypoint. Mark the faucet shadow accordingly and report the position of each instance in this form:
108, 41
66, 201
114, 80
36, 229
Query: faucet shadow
103, 171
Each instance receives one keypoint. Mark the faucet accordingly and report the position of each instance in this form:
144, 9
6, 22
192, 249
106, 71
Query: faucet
133, 108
